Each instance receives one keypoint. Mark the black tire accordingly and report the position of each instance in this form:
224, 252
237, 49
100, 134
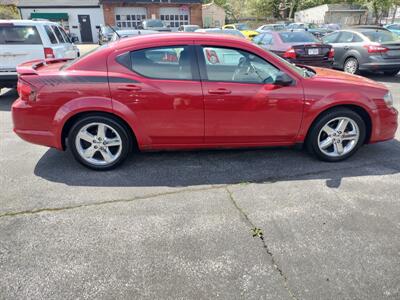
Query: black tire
126, 140
351, 60
391, 72
313, 134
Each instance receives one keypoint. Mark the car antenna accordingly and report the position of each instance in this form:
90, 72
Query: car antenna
108, 25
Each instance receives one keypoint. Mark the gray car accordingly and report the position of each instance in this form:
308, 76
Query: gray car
365, 49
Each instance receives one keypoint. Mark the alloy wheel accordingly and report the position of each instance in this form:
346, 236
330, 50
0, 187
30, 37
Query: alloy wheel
98, 144
351, 66
338, 137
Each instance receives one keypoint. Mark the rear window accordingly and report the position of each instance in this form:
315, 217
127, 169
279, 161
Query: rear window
297, 37
154, 23
50, 34
19, 35
58, 34
381, 36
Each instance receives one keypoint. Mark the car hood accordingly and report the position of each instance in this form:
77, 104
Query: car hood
339, 76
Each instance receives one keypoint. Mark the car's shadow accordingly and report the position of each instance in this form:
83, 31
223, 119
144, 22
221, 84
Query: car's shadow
177, 169
7, 98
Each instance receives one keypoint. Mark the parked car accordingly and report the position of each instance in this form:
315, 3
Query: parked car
188, 28
243, 28
120, 34
312, 28
233, 32
23, 40
154, 24
366, 49
119, 96
271, 27
331, 27
105, 33
299, 47
395, 28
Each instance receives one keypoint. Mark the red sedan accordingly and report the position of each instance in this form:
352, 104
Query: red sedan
169, 92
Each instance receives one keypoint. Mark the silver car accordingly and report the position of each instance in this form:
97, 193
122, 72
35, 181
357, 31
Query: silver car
365, 49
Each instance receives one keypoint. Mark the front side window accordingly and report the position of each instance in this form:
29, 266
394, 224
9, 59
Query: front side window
163, 62
330, 38
64, 34
19, 35
346, 37
234, 65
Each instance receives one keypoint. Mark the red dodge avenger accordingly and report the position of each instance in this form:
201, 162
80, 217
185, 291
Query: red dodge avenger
192, 91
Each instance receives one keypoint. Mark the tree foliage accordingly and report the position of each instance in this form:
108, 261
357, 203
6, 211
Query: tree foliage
8, 12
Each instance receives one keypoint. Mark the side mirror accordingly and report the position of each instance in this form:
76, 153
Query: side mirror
283, 79
74, 39
97, 26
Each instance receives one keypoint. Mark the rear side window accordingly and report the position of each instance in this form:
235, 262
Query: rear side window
381, 36
163, 62
298, 37
349, 37
50, 34
58, 34
19, 35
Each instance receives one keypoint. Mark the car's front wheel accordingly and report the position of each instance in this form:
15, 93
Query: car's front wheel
99, 142
336, 135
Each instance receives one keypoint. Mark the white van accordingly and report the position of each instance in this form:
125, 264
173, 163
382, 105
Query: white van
23, 40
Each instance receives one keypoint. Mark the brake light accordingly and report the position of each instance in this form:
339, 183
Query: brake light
290, 53
25, 91
212, 56
48, 53
376, 49
331, 53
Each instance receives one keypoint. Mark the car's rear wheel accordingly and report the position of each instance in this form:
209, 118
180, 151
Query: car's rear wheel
351, 66
336, 135
391, 72
99, 142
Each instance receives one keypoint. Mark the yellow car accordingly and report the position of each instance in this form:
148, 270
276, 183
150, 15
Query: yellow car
243, 28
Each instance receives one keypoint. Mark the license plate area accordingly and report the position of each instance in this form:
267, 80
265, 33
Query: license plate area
313, 51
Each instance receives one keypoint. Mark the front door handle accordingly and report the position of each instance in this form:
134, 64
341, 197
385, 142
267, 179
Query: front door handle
346, 47
129, 87
220, 91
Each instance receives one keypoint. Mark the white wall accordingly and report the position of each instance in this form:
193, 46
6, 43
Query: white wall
312, 15
96, 17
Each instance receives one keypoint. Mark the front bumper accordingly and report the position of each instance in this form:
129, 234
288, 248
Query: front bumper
385, 124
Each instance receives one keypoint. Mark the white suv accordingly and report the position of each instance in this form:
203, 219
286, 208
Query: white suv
23, 40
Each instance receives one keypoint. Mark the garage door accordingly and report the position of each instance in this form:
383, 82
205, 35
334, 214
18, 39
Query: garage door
129, 17
175, 16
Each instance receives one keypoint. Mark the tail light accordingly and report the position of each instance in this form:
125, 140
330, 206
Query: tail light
212, 56
26, 91
48, 53
290, 53
331, 53
376, 49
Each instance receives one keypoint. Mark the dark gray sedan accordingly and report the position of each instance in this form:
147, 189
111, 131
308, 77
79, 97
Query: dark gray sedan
365, 49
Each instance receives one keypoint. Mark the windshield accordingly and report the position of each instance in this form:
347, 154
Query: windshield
242, 27
381, 36
297, 37
154, 23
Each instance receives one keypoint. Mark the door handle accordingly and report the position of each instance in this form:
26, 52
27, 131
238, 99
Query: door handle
219, 91
346, 47
129, 87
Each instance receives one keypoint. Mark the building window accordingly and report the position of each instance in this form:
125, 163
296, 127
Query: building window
133, 20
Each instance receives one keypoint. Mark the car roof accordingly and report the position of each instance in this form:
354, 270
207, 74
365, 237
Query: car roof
178, 37
28, 22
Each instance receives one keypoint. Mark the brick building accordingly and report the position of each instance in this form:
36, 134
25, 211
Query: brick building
129, 13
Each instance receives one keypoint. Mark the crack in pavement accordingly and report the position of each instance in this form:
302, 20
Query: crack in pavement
271, 179
264, 243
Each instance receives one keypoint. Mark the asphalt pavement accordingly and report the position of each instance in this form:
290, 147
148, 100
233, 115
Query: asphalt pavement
235, 224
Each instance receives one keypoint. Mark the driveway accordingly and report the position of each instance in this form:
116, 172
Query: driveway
246, 224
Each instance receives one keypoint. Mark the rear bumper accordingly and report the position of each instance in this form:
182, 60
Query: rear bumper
8, 79
315, 63
379, 64
26, 121
385, 124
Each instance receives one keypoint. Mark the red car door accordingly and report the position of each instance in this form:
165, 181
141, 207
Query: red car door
242, 104
161, 88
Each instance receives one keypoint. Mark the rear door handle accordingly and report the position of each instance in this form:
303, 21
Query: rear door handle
129, 87
220, 91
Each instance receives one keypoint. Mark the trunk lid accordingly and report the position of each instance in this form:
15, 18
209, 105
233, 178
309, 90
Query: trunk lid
393, 50
312, 51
